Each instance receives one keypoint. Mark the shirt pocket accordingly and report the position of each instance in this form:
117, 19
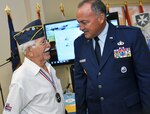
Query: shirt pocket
123, 67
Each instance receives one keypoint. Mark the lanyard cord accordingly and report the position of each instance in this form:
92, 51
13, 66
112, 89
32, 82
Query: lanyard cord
47, 78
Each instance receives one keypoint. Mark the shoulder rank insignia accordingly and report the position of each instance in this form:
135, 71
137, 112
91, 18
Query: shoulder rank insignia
120, 43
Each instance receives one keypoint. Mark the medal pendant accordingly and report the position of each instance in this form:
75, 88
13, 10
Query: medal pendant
58, 97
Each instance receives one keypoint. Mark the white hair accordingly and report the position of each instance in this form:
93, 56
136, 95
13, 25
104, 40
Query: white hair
24, 46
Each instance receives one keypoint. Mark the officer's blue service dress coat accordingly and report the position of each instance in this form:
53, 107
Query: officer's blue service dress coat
121, 83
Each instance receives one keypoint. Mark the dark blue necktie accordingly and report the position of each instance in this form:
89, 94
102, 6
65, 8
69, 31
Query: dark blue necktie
97, 50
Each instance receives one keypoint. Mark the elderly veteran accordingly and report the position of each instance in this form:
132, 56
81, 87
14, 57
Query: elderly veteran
34, 87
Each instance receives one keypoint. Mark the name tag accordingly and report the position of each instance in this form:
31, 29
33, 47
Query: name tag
82, 60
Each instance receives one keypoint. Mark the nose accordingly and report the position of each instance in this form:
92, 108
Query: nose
47, 43
81, 27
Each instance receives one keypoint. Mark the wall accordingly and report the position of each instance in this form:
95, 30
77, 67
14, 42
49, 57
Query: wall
23, 11
52, 10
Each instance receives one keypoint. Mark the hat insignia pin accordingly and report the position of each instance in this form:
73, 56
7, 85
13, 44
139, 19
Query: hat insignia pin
33, 28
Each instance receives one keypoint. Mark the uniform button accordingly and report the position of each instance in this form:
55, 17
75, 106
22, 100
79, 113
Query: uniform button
99, 73
101, 98
99, 86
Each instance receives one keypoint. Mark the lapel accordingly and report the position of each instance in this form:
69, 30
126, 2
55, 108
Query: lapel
109, 45
89, 52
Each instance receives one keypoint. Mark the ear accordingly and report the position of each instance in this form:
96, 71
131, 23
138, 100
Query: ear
29, 51
101, 18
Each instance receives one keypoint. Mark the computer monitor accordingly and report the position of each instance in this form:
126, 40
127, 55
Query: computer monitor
113, 18
61, 36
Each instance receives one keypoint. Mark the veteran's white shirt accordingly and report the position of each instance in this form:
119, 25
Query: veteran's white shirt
31, 93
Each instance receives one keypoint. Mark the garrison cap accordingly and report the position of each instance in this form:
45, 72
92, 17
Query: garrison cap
32, 31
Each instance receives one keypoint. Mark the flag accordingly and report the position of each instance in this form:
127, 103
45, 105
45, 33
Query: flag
127, 16
38, 10
15, 58
123, 16
141, 7
61, 7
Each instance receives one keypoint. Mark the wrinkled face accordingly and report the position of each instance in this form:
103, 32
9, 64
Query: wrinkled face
90, 23
41, 50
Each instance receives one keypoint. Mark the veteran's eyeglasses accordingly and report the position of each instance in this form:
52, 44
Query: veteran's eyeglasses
43, 42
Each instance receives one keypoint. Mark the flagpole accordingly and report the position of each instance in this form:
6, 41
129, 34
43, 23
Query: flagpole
62, 9
2, 94
38, 11
4, 63
107, 7
15, 57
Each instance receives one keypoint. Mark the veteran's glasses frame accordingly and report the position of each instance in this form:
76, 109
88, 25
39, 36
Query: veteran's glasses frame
43, 42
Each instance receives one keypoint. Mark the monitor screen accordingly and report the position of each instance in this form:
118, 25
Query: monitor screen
61, 36
114, 22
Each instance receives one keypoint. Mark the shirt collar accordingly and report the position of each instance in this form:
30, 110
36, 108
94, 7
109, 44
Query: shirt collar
102, 35
34, 67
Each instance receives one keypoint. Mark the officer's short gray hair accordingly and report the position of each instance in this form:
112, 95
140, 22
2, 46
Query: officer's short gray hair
97, 6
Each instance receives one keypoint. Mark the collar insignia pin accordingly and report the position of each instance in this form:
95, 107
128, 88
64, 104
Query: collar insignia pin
111, 38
